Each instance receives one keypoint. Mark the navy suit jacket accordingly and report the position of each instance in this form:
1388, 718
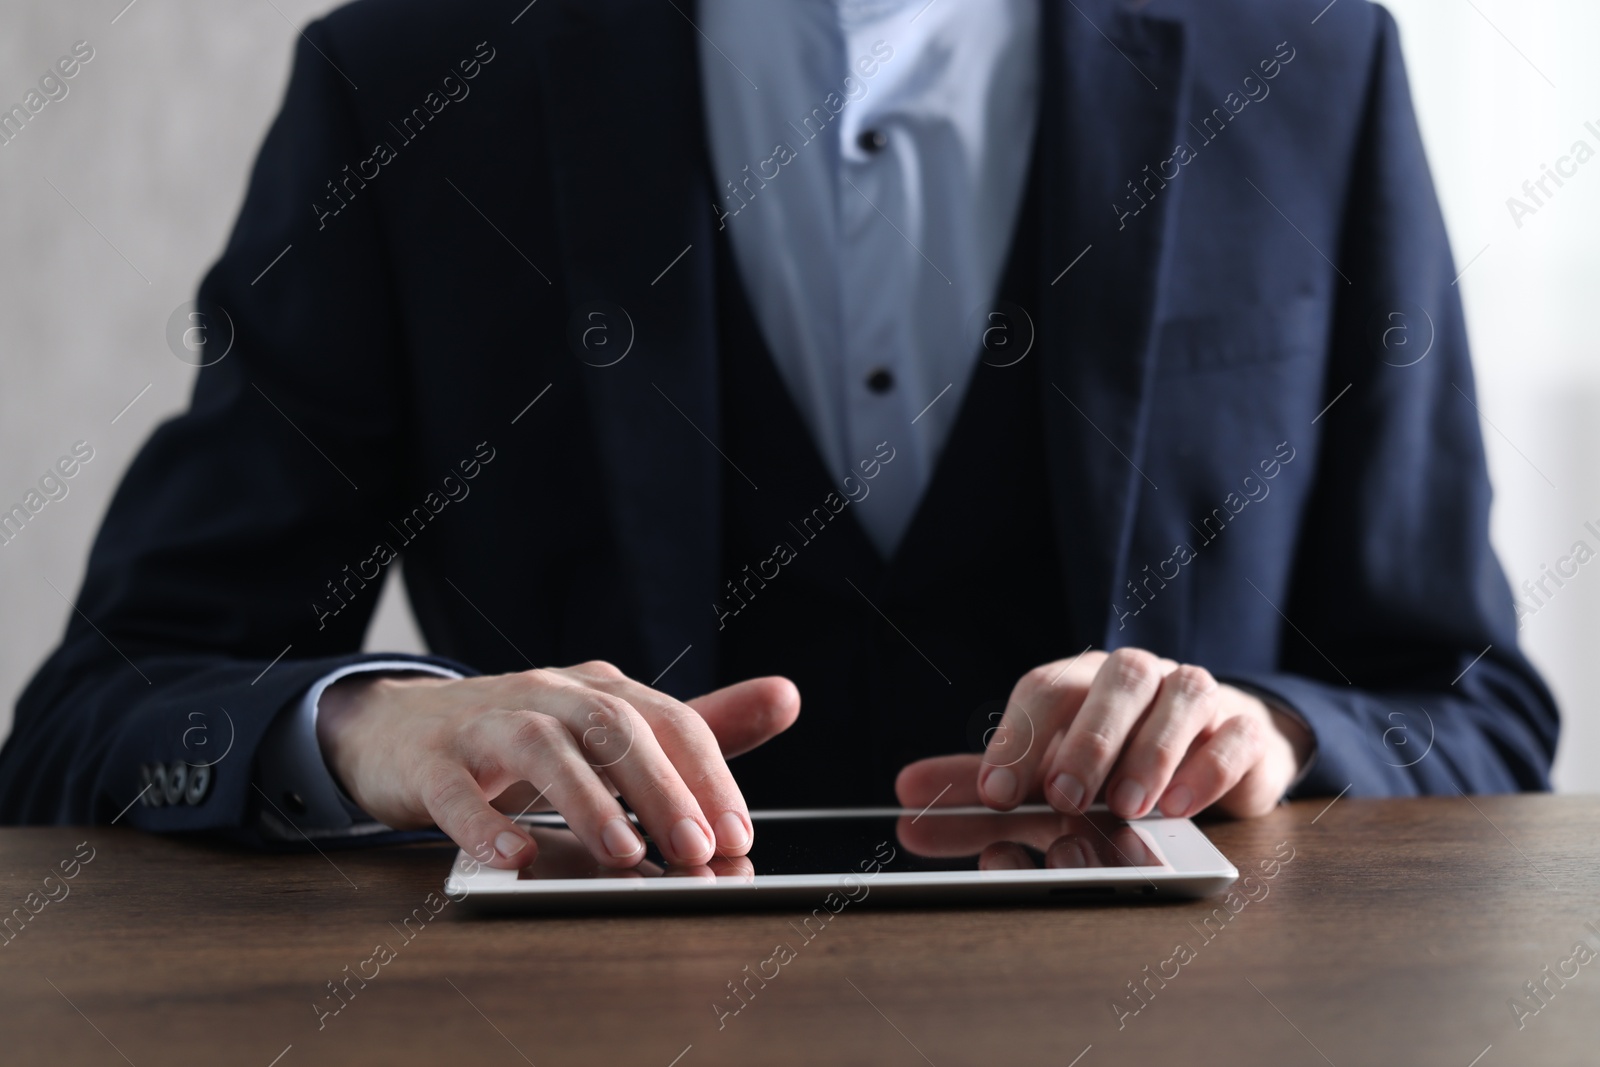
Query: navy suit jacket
1259, 284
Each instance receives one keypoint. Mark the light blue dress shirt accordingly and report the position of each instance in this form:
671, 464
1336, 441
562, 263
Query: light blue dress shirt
863, 255
859, 256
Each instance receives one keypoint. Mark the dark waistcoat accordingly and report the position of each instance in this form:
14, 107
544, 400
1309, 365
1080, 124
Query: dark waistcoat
901, 658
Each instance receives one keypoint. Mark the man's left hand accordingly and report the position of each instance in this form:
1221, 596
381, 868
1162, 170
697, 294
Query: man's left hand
1147, 732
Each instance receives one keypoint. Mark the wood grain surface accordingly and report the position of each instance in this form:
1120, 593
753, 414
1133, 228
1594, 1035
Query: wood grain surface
1401, 932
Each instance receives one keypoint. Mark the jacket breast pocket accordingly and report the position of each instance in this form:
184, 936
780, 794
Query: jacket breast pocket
1242, 337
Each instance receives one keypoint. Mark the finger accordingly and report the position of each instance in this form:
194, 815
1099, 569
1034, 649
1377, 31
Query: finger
1214, 767
531, 746
945, 780
688, 741
611, 731
1041, 705
1185, 704
1052, 753
1256, 794
1118, 697
749, 713
519, 798
458, 807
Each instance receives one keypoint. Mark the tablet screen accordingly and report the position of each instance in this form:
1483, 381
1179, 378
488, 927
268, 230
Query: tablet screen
941, 840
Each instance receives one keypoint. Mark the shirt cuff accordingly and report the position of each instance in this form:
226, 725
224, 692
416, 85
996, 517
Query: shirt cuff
303, 797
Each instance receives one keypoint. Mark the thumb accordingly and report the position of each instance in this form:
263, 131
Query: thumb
749, 713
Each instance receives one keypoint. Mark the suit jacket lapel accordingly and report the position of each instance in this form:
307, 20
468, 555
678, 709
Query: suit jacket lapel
623, 110
1114, 98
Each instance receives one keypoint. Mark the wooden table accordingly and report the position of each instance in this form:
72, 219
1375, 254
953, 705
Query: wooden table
1400, 933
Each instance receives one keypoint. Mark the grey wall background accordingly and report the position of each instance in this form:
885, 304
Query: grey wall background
115, 199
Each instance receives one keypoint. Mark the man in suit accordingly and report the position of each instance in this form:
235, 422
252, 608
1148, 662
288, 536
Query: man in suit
1068, 400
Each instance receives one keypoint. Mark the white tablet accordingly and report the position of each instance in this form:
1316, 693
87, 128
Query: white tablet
841, 856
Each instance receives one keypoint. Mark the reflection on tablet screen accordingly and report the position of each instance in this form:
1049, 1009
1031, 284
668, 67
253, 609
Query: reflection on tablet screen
963, 840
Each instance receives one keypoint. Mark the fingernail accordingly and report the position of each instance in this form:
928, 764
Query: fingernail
731, 833
1177, 801
1067, 790
509, 844
1128, 797
1001, 786
689, 841
619, 839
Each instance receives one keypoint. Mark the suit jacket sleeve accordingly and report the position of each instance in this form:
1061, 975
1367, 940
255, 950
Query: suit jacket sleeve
1405, 660
235, 566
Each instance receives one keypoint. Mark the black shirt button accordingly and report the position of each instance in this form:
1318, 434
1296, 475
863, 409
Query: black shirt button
177, 782
199, 785
872, 140
880, 381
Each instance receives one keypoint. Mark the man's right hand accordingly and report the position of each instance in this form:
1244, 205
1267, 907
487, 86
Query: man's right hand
417, 750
